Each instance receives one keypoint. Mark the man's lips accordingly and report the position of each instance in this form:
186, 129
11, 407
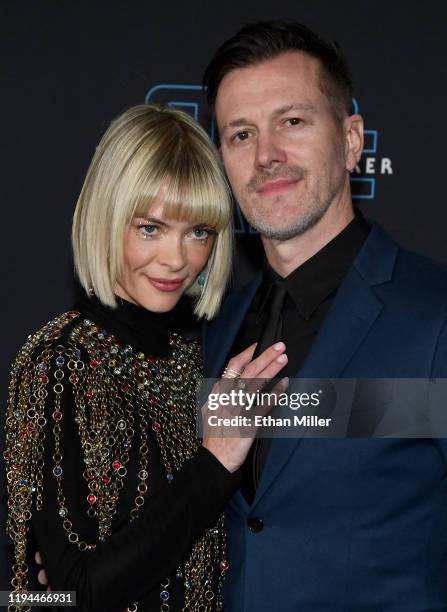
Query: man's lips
276, 185
166, 284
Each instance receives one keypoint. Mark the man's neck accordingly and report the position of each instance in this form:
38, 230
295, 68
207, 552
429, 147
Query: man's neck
287, 255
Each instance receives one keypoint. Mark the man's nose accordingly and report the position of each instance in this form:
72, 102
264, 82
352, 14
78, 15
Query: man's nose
269, 151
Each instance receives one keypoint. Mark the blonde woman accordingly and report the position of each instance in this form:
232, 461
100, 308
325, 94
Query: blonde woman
103, 463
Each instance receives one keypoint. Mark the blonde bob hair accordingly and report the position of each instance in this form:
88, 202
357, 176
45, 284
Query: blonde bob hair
145, 149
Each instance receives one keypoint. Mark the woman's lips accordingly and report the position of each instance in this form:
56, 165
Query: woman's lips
164, 284
276, 185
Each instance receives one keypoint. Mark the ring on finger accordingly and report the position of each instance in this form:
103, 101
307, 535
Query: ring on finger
230, 373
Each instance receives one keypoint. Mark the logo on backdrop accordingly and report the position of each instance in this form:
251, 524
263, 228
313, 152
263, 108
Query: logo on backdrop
191, 99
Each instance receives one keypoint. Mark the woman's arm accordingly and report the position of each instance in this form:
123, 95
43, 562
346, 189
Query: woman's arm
138, 556
133, 560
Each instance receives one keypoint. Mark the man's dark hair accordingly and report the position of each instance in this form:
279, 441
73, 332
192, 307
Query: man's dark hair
258, 42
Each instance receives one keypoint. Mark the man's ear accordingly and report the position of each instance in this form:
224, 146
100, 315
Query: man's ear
353, 130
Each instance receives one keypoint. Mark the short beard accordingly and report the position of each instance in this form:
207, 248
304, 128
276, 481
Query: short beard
307, 219
316, 206
301, 225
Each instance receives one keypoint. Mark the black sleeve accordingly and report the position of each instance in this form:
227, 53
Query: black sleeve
136, 557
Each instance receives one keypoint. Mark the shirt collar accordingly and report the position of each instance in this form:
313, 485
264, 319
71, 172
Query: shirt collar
321, 275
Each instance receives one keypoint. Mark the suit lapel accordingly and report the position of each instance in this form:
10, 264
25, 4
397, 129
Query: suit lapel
219, 335
351, 316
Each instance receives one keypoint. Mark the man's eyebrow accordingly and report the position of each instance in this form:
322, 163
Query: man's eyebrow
237, 123
302, 106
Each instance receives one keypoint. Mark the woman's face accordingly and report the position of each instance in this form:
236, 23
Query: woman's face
162, 258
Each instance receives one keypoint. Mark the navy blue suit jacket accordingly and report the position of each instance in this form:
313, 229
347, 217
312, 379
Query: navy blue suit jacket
350, 525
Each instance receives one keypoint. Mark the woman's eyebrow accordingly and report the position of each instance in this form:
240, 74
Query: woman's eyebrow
152, 219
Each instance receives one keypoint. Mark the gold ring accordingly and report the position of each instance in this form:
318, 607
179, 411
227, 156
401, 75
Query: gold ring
230, 373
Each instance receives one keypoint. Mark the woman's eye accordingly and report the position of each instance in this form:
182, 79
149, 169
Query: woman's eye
148, 230
201, 233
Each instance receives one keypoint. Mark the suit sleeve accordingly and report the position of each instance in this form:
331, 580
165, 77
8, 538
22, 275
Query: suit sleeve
439, 370
439, 365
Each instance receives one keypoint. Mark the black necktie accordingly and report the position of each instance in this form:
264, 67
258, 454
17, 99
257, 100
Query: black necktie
272, 330
271, 333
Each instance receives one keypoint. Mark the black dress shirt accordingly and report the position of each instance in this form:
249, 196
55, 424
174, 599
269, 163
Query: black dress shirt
311, 290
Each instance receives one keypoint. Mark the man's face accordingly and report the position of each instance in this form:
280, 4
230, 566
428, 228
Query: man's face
285, 154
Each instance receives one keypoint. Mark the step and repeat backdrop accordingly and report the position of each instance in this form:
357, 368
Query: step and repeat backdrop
68, 68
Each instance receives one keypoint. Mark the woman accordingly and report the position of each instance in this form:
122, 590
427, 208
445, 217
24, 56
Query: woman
102, 457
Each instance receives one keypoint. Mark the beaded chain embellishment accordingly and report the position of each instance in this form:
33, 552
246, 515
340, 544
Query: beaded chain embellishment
117, 392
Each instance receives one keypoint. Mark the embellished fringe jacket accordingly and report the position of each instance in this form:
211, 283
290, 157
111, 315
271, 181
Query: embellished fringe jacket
104, 466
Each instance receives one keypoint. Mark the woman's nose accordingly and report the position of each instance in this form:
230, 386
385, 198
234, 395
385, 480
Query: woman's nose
172, 255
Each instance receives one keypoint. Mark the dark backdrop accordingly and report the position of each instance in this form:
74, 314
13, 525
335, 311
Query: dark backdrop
68, 68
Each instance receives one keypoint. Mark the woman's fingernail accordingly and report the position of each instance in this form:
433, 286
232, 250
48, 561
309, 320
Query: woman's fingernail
279, 346
282, 358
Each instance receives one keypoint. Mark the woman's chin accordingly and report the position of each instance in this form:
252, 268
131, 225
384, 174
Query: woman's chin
160, 304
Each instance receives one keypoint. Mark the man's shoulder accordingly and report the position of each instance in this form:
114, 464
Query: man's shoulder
404, 267
421, 274
415, 264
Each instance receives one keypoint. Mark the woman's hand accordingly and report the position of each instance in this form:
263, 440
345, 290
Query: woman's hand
42, 575
232, 451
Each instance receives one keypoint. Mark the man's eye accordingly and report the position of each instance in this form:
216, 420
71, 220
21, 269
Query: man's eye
241, 136
293, 121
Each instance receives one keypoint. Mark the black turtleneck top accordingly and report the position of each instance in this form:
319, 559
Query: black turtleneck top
130, 564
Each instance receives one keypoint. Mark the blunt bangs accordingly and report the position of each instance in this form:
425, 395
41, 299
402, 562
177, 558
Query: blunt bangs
192, 182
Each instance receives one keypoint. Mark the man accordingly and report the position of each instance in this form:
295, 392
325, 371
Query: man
324, 525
